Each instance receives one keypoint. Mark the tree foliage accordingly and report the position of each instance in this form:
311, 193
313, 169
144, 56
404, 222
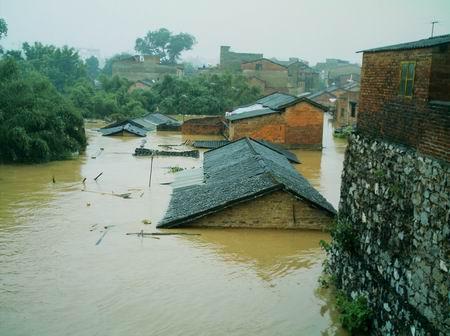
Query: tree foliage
37, 123
3, 31
164, 44
107, 69
92, 67
63, 66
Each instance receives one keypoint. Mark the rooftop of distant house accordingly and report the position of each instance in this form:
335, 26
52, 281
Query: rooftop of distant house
237, 172
273, 103
423, 43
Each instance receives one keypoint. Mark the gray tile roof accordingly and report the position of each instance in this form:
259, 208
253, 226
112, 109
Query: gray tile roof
159, 119
234, 173
424, 43
212, 144
250, 114
273, 103
126, 127
277, 100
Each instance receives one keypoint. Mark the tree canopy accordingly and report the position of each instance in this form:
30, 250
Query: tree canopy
92, 67
37, 123
63, 66
3, 31
165, 44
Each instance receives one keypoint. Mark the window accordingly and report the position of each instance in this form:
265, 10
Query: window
353, 109
342, 111
407, 78
258, 66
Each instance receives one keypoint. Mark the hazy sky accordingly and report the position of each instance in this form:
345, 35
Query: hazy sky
309, 29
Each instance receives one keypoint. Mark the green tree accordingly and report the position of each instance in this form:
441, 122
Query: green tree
37, 123
63, 66
92, 67
164, 44
3, 31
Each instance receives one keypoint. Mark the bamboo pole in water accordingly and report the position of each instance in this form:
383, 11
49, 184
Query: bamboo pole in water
151, 170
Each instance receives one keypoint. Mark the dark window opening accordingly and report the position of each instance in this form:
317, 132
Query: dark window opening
353, 109
342, 111
407, 78
258, 66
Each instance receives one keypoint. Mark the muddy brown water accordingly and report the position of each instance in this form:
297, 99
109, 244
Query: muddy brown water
63, 273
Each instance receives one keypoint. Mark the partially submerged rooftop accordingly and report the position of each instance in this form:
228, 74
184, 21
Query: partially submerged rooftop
236, 173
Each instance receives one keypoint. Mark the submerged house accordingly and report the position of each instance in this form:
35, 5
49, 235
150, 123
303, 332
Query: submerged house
294, 122
140, 126
246, 184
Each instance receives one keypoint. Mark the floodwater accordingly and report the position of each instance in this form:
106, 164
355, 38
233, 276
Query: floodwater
63, 273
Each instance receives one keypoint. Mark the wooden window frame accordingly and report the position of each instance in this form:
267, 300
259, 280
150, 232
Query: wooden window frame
407, 79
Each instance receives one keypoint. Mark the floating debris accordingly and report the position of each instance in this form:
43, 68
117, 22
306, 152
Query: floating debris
146, 221
175, 169
142, 233
155, 152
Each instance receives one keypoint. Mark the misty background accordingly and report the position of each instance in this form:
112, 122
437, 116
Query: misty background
311, 30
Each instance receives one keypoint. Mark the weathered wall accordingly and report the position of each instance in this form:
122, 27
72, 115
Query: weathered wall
203, 126
343, 108
231, 61
397, 203
275, 76
411, 121
440, 72
299, 126
278, 210
304, 125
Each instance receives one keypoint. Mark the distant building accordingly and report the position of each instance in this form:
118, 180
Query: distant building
144, 84
271, 76
280, 118
231, 61
144, 67
246, 184
347, 107
405, 95
338, 72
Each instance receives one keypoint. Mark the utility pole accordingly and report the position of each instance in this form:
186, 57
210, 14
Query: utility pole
432, 27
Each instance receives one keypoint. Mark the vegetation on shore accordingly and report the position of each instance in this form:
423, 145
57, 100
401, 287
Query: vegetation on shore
46, 91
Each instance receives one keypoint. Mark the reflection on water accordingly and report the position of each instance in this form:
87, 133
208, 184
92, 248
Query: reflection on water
271, 254
55, 280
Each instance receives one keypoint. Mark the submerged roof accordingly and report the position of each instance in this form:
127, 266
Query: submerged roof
126, 127
159, 119
238, 172
424, 43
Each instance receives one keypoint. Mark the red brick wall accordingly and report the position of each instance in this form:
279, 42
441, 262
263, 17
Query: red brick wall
300, 125
440, 73
410, 121
203, 126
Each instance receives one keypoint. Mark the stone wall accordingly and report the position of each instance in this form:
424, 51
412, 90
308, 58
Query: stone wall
396, 202
279, 210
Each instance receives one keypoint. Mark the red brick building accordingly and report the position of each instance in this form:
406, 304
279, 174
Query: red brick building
203, 126
405, 95
279, 118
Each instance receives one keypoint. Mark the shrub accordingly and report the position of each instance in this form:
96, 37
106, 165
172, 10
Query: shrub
355, 314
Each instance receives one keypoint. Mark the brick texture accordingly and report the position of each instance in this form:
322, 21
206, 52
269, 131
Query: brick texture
203, 126
278, 210
299, 126
414, 122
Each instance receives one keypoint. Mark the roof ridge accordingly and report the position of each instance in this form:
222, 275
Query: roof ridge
261, 160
